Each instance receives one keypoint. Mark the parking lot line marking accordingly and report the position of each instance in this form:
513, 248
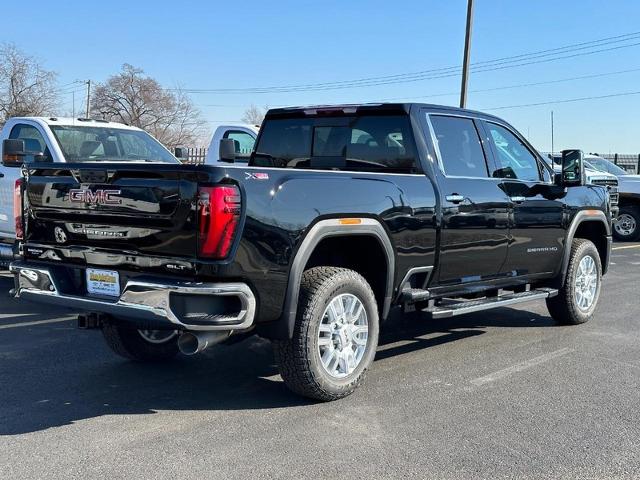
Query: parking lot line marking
36, 322
14, 315
519, 367
626, 247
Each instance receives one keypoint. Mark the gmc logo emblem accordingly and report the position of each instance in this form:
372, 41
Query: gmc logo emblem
95, 197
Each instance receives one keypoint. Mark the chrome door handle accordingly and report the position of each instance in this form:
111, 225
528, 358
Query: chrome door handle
455, 198
518, 199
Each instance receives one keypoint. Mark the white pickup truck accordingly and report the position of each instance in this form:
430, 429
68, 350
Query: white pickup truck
52, 139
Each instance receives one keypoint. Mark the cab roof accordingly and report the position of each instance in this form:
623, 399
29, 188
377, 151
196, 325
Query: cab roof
70, 121
371, 108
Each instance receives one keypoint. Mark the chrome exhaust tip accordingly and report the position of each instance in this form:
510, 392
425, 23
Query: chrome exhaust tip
190, 343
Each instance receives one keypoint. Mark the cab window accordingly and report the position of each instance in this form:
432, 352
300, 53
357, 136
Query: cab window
459, 146
514, 160
33, 141
243, 142
368, 143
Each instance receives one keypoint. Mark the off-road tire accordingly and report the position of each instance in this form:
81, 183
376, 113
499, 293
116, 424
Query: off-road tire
298, 358
563, 307
633, 211
128, 343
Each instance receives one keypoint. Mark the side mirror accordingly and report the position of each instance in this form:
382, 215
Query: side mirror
181, 153
13, 152
572, 168
227, 150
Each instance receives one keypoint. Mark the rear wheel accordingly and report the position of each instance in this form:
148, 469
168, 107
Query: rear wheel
627, 226
578, 298
141, 345
335, 335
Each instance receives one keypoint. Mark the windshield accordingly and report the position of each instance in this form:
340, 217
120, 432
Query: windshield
603, 165
95, 144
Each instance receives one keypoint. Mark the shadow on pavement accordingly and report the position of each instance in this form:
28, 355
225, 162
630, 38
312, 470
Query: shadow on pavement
55, 376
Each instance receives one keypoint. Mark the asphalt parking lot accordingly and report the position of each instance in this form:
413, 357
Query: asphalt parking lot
499, 394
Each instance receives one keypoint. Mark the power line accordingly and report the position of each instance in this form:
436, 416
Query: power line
69, 92
520, 85
444, 94
434, 77
569, 100
68, 86
449, 71
530, 58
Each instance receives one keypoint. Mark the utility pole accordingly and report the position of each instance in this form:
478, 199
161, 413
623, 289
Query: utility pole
467, 54
552, 150
88, 97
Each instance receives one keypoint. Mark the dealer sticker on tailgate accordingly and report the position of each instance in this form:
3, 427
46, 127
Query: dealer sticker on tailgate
103, 282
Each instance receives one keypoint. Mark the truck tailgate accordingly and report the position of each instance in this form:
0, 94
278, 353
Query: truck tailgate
145, 208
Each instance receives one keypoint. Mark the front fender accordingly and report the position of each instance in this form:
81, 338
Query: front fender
581, 217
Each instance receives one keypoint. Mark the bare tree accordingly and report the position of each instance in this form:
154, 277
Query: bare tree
133, 98
253, 115
26, 88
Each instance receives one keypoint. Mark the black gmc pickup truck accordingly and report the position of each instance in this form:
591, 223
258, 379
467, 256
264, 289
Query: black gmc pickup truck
343, 213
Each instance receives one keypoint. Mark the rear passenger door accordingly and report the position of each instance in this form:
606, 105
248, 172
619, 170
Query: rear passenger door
475, 235
536, 233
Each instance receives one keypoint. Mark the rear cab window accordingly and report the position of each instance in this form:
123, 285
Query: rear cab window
371, 143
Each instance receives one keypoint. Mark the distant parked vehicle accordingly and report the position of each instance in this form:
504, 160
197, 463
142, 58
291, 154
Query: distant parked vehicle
627, 226
40, 139
594, 175
243, 137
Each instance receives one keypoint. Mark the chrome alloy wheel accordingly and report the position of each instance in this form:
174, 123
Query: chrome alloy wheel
343, 335
157, 336
625, 225
586, 283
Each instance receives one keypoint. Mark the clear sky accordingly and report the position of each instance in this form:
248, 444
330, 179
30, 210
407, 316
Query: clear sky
247, 44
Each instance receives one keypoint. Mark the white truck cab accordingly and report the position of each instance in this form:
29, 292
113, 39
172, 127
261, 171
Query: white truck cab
243, 136
55, 139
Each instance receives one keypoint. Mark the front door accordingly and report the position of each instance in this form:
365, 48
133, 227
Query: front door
474, 235
536, 232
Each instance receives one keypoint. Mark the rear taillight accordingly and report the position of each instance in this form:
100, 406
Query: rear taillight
17, 209
218, 216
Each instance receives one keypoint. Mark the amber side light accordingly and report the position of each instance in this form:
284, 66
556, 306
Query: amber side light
350, 221
592, 212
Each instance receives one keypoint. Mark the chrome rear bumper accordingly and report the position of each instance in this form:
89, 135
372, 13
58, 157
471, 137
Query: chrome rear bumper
144, 299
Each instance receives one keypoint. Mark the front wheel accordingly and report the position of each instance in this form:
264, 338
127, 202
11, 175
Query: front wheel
335, 336
627, 226
141, 345
578, 298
